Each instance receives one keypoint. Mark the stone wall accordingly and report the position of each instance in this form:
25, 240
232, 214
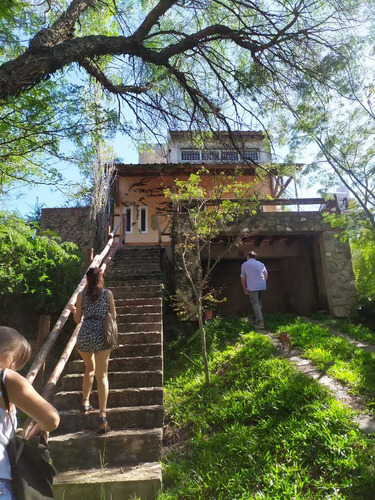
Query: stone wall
338, 270
71, 224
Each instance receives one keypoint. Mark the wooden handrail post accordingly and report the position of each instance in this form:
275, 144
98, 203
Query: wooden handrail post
43, 332
89, 256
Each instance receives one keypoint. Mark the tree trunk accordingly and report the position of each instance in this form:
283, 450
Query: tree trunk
203, 344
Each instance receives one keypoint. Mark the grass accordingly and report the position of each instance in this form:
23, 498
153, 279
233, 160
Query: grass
262, 430
335, 356
355, 330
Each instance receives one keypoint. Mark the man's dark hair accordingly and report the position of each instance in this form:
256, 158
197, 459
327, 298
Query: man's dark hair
252, 255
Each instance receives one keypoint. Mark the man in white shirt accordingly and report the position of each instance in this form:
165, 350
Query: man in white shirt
253, 278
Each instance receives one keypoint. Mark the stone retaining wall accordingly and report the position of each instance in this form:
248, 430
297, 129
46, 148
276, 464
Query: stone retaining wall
71, 224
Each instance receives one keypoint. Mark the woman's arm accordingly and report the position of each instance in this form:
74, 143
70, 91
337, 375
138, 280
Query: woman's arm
77, 309
112, 308
23, 395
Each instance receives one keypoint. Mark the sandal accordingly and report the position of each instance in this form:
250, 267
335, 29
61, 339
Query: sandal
86, 407
103, 425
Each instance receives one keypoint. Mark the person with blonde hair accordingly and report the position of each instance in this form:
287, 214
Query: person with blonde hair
93, 303
14, 354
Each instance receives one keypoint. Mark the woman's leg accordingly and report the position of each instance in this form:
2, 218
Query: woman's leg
88, 377
101, 374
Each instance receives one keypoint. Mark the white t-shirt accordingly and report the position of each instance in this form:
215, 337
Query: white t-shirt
255, 273
6, 430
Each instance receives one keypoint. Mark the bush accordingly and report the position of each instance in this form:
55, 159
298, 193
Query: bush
37, 269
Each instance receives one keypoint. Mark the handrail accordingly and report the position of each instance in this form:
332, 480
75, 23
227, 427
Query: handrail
55, 332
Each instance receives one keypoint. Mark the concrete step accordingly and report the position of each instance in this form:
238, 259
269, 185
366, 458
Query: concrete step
127, 417
139, 338
133, 274
136, 350
135, 303
140, 317
136, 283
145, 308
137, 251
141, 396
117, 380
136, 363
87, 449
141, 481
139, 327
136, 292
126, 268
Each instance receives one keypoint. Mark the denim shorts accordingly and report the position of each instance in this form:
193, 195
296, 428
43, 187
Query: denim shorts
5, 490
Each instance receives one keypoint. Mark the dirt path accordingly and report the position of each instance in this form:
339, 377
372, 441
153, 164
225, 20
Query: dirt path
365, 421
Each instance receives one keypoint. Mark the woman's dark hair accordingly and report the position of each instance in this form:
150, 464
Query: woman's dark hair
12, 342
95, 283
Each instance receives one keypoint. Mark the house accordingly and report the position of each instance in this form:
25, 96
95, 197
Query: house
138, 189
309, 268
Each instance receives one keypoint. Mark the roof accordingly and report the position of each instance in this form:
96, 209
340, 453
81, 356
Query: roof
136, 169
221, 133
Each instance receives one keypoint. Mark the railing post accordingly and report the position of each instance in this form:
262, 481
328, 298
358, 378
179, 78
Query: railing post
43, 332
89, 256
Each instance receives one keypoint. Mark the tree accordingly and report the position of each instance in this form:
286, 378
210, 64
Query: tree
205, 216
168, 63
342, 127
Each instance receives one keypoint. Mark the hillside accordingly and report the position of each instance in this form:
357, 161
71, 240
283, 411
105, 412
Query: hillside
263, 429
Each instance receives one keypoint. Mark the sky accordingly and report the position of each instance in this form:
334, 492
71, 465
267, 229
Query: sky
24, 200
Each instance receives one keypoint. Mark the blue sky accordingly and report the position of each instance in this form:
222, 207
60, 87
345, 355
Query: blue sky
24, 199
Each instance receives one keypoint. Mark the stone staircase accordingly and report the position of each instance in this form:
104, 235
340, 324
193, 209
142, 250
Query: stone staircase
124, 463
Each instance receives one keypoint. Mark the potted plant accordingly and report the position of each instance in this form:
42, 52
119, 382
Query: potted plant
210, 303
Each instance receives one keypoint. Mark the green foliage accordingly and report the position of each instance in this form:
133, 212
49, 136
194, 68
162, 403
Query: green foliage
262, 430
37, 268
336, 356
363, 255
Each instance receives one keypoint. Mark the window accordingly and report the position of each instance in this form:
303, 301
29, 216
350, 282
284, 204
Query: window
190, 155
143, 220
229, 155
210, 155
128, 211
251, 154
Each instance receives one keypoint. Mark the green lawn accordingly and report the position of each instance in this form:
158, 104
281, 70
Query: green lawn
336, 356
262, 430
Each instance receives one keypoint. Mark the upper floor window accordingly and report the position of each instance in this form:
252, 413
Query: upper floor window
219, 155
229, 156
190, 155
210, 155
251, 154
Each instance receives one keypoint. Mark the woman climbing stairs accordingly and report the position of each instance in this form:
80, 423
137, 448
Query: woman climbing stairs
124, 463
